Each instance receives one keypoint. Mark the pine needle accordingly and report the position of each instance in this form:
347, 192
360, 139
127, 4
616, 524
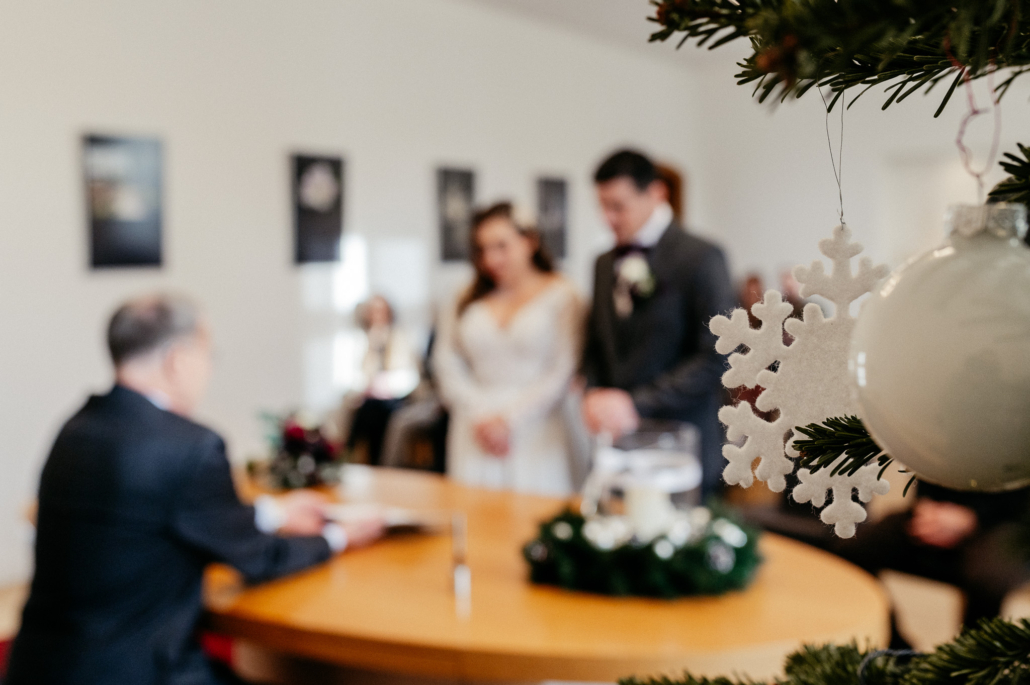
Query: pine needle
840, 443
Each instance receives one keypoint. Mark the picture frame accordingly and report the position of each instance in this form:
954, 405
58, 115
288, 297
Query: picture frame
553, 214
456, 192
318, 193
124, 197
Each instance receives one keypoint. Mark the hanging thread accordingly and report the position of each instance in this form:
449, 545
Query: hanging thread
965, 154
838, 163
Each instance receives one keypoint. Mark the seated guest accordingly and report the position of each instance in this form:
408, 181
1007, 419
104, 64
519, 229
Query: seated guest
387, 373
752, 292
134, 501
422, 421
675, 191
506, 352
966, 539
649, 352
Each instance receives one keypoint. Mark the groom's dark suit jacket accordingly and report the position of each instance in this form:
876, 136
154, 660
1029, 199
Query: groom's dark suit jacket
663, 353
134, 502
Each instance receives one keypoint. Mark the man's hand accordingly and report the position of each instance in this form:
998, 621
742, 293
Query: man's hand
941, 524
610, 410
493, 436
363, 532
302, 510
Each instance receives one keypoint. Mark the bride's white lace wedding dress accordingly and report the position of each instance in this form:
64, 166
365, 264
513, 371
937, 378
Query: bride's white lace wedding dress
521, 371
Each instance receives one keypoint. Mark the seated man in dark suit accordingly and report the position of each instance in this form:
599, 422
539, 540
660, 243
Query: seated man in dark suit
649, 352
134, 501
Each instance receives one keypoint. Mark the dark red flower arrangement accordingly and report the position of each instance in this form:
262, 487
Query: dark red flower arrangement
302, 454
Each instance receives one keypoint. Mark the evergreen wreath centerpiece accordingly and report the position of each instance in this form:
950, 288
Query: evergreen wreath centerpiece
637, 530
702, 552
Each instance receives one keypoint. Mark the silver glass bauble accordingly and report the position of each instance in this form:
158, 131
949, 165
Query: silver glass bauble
940, 355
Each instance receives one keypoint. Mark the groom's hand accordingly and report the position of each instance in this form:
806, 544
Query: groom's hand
610, 410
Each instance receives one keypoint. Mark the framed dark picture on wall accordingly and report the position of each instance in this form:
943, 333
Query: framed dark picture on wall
456, 193
317, 208
123, 197
553, 214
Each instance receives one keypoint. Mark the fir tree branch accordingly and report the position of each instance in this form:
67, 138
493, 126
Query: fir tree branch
1016, 188
909, 44
842, 665
995, 652
687, 679
840, 442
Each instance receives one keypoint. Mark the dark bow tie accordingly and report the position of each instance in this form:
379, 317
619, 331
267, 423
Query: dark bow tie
623, 250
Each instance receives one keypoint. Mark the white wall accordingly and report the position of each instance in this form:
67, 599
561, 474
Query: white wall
233, 86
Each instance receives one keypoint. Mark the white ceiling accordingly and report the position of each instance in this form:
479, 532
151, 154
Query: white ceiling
619, 22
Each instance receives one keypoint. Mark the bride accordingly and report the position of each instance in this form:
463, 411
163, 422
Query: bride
506, 353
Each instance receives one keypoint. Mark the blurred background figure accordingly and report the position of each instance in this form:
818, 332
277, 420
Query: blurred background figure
649, 351
506, 353
416, 435
973, 540
791, 290
751, 293
388, 372
675, 191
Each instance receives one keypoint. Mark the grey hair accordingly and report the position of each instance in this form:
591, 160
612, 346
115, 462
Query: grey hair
146, 324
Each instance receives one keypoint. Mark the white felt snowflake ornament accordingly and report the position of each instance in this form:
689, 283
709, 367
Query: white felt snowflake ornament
809, 385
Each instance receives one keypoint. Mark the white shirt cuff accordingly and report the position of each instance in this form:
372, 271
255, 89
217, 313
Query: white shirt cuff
268, 515
336, 536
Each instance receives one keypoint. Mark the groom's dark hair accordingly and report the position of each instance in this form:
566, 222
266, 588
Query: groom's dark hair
630, 164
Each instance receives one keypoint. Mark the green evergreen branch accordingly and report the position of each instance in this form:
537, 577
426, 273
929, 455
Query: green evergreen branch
995, 652
840, 442
841, 664
910, 44
687, 679
1016, 188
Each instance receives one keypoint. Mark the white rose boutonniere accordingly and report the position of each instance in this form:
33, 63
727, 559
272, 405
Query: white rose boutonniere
636, 272
634, 281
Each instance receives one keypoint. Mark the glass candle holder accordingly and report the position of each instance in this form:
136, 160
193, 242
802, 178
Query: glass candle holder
643, 482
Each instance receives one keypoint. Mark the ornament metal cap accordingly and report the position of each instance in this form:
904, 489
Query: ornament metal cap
1002, 219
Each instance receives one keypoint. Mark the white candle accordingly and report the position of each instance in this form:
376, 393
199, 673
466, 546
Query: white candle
649, 510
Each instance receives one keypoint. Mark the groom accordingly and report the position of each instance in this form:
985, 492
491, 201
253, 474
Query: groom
649, 353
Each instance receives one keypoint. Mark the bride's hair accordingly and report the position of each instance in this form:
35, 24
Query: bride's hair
483, 284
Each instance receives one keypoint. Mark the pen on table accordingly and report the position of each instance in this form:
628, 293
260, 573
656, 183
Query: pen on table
461, 573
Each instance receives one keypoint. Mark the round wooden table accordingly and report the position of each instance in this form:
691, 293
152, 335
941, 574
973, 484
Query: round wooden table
390, 607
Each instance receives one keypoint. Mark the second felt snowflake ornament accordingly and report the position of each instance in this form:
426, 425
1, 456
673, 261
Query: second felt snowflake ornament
805, 382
